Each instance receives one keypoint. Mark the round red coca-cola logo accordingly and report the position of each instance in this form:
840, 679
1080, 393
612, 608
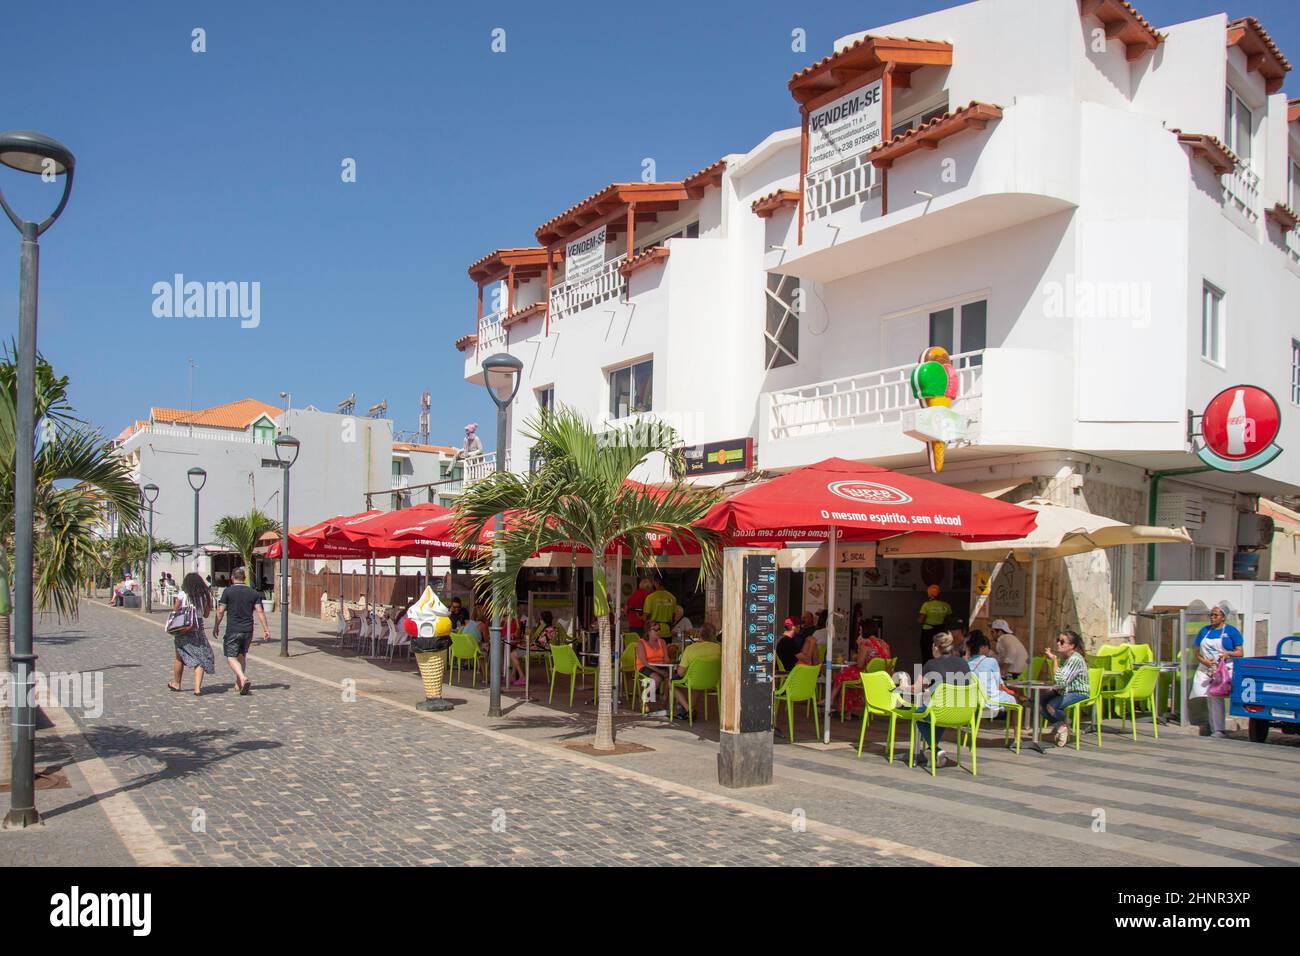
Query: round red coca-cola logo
1240, 422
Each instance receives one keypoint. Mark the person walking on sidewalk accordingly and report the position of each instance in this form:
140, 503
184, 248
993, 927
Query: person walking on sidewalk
239, 601
193, 649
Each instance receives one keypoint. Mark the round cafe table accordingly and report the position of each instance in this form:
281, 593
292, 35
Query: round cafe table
1036, 688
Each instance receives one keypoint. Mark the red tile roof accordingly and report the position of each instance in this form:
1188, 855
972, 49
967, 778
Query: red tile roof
235, 415
1125, 24
524, 314
1293, 111
465, 341
1261, 52
1284, 216
765, 206
974, 115
647, 258
1210, 148
867, 53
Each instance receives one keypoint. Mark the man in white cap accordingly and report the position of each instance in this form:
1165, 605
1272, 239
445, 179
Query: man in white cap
473, 447
1012, 656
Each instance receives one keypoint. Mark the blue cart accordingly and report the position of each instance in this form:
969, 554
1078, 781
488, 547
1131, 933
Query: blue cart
1267, 690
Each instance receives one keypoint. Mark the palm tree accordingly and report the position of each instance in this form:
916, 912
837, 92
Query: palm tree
242, 533
580, 495
66, 517
130, 549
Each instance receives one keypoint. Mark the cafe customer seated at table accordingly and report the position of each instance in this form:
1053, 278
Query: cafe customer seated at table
651, 650
945, 667
794, 647
540, 643
700, 648
986, 670
681, 624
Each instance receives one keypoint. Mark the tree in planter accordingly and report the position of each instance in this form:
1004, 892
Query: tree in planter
581, 495
130, 549
67, 518
241, 533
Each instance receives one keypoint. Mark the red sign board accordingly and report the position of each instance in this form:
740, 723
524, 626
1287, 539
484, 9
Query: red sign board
1240, 422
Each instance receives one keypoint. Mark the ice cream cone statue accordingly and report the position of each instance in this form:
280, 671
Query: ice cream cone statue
429, 622
934, 383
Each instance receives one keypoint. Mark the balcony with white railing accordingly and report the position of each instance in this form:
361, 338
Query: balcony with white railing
862, 416
568, 298
198, 432
1241, 192
1292, 239
478, 468
841, 187
492, 333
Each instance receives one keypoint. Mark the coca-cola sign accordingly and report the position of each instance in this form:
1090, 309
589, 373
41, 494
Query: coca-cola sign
1239, 428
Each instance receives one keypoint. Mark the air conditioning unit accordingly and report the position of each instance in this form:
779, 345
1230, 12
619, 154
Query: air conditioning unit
1254, 531
1180, 511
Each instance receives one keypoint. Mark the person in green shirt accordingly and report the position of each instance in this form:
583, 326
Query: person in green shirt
931, 617
660, 604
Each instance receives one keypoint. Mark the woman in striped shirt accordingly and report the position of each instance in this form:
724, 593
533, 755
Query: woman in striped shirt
1071, 682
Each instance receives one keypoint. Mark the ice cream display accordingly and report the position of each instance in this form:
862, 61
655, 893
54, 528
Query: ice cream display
934, 384
429, 623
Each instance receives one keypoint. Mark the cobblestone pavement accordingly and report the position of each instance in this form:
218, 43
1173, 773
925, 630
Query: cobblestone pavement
295, 774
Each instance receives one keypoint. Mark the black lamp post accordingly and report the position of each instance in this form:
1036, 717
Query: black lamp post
28, 152
286, 452
150, 494
501, 376
198, 478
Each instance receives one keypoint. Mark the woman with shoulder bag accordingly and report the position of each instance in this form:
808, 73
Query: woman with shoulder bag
1216, 644
189, 632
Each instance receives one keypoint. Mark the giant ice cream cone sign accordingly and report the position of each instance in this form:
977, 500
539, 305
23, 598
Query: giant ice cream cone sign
934, 386
429, 622
428, 617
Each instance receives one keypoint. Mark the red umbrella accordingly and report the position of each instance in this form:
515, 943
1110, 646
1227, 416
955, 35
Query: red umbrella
863, 503
300, 547
370, 527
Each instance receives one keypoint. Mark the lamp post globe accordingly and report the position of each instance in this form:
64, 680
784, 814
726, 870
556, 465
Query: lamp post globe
502, 373
286, 453
27, 151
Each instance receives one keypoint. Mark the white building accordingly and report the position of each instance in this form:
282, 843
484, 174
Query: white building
1096, 217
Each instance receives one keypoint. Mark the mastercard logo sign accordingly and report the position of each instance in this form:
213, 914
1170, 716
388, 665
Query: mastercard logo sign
868, 493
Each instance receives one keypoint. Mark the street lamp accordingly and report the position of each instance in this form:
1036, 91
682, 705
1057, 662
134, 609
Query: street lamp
27, 152
501, 376
150, 494
198, 478
286, 452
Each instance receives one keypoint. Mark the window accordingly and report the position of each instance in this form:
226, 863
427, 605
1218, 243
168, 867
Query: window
961, 329
629, 389
546, 397
928, 111
690, 231
1237, 126
1295, 371
1293, 184
781, 336
1212, 325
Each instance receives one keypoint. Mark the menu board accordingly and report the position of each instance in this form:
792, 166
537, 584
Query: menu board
758, 643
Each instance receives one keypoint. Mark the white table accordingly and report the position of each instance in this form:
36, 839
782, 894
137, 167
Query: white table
1036, 688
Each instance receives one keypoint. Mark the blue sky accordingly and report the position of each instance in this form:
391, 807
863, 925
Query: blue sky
225, 166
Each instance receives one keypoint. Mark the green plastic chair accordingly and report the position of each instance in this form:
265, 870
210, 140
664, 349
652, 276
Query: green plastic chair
703, 673
1036, 667
1093, 701
799, 686
876, 664
465, 648
627, 670
1114, 657
1141, 686
565, 661
951, 705
883, 700
1008, 708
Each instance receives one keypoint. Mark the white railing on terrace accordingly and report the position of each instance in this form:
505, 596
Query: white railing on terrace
476, 469
491, 333
568, 298
872, 398
1292, 239
832, 191
206, 434
1241, 188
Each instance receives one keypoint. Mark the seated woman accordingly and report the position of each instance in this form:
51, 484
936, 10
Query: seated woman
945, 667
1071, 682
652, 649
794, 647
681, 625
987, 671
870, 645
541, 642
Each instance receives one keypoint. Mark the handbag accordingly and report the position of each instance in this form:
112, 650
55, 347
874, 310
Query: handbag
181, 621
1221, 680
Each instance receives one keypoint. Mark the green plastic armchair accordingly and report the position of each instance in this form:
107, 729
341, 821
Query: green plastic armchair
883, 700
565, 661
703, 673
799, 686
1140, 686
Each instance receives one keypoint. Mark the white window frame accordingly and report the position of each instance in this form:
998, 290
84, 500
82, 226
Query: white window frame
540, 393
1233, 105
913, 117
630, 368
1293, 182
1212, 293
788, 315
926, 309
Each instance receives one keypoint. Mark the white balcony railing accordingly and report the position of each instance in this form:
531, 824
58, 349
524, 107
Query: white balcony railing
567, 298
491, 332
1292, 240
872, 398
205, 434
476, 469
1241, 189
832, 191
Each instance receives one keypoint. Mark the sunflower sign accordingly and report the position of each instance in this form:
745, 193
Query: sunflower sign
934, 386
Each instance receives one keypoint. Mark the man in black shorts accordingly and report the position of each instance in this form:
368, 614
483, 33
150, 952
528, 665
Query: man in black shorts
239, 601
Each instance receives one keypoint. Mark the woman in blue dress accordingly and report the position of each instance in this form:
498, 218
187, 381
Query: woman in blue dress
1217, 641
193, 649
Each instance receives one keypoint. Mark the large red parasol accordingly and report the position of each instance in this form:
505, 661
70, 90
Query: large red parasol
863, 503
